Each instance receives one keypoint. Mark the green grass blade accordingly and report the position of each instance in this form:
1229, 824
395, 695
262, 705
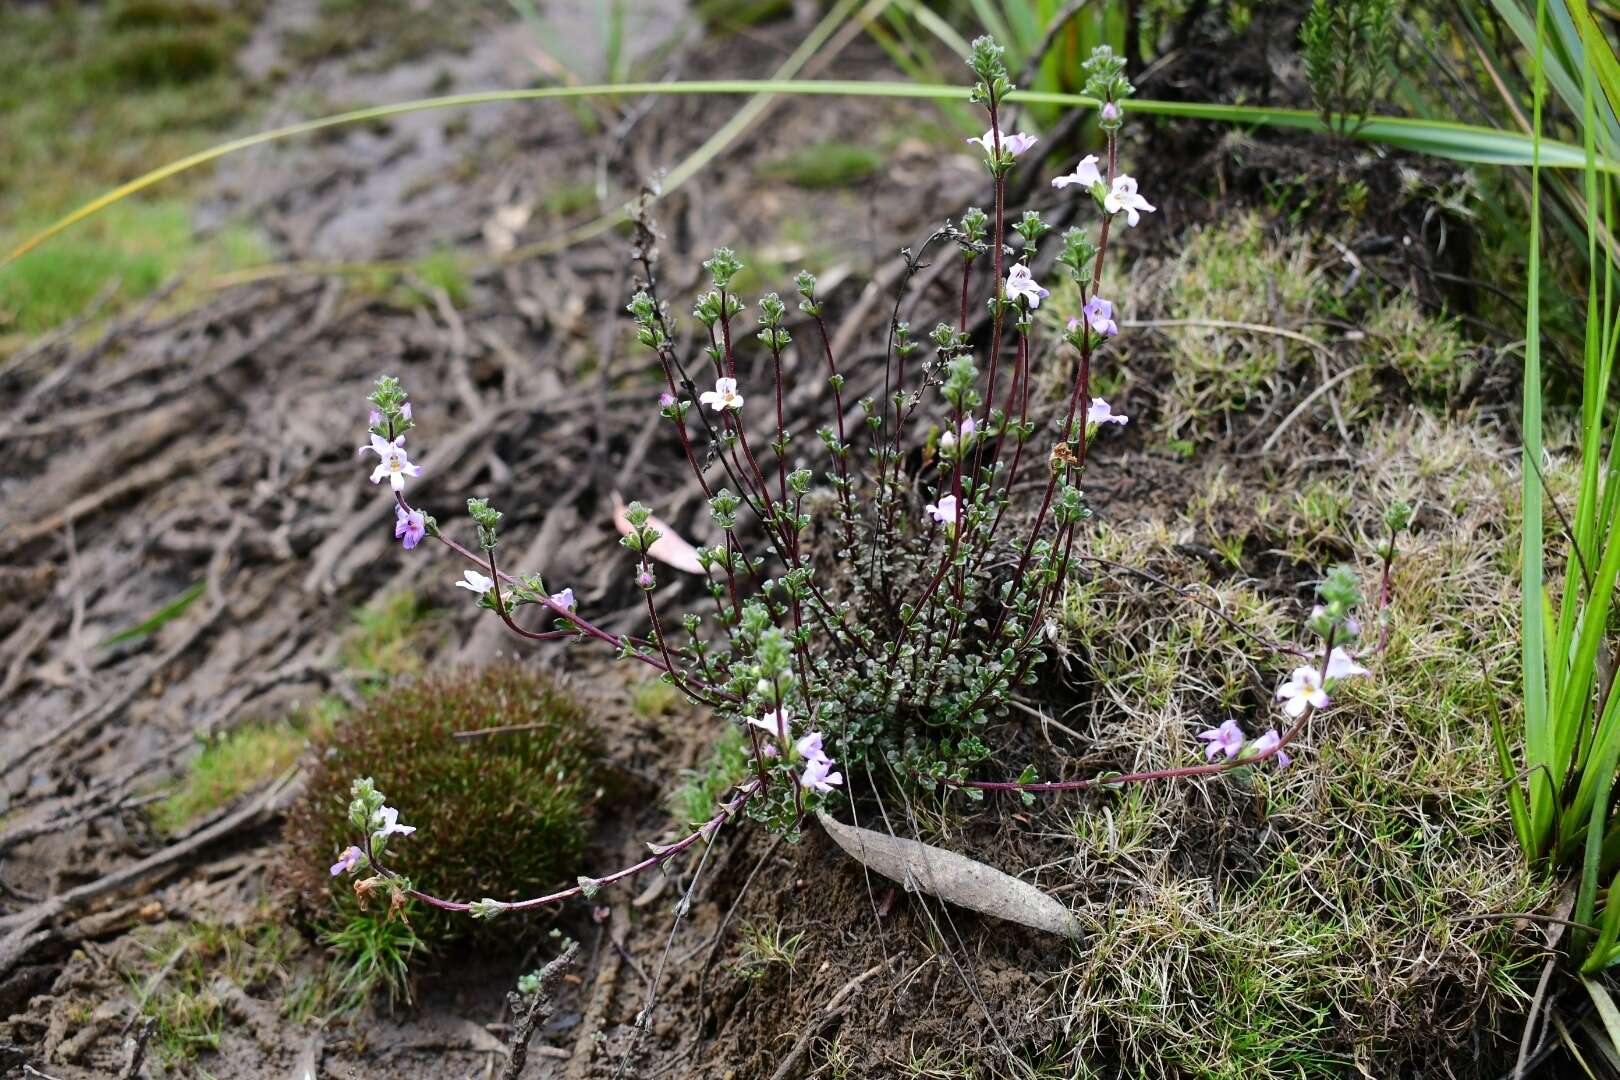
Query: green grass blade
154, 622
1457, 142
1517, 807
1538, 736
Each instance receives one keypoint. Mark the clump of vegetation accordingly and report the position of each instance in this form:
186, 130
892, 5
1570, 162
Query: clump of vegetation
231, 764
371, 952
694, 800
824, 165
500, 814
190, 974
1265, 928
1228, 277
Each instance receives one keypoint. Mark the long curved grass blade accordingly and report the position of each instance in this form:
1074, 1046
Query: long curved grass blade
1457, 142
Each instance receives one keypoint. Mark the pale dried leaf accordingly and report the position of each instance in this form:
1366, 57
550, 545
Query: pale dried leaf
954, 878
669, 548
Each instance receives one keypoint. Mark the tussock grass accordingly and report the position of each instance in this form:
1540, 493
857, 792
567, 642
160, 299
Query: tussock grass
1320, 919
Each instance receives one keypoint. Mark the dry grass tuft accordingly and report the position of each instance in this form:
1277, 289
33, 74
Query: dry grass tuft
1310, 921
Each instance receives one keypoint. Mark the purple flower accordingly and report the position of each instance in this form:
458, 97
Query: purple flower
1099, 412
1011, 144
392, 462
1226, 739
1085, 174
1123, 196
1301, 690
818, 775
809, 745
564, 599
409, 526
945, 512
1021, 284
405, 410
375, 418
1266, 743
348, 861
645, 579
1111, 113
1099, 315
666, 399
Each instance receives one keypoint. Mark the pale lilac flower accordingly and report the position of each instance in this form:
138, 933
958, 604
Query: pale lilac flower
347, 861
1012, 144
405, 410
409, 526
969, 428
1266, 742
1226, 739
388, 819
1021, 284
666, 399
1110, 112
723, 396
1098, 412
473, 581
1302, 689
1099, 315
1123, 196
818, 775
375, 418
393, 463
944, 512
1341, 665
773, 723
809, 746
645, 579
564, 599
1085, 174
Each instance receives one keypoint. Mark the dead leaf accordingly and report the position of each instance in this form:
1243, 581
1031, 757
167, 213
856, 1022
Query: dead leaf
669, 548
953, 878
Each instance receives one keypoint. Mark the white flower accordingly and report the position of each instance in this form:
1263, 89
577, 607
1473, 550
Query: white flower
1085, 174
393, 463
1123, 196
944, 512
1012, 144
1098, 412
1341, 665
774, 723
723, 396
1021, 284
1303, 688
386, 822
473, 581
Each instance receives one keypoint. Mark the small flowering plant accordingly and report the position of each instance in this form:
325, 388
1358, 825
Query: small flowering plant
888, 655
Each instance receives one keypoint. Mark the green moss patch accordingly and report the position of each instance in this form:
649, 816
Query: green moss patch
501, 815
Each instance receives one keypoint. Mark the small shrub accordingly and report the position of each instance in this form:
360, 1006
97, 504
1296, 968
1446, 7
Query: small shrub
502, 815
